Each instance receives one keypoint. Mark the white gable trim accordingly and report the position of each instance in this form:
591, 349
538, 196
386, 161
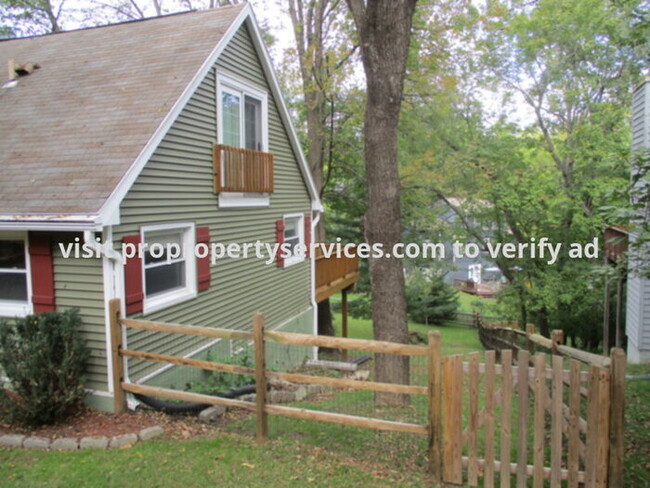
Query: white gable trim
267, 65
111, 206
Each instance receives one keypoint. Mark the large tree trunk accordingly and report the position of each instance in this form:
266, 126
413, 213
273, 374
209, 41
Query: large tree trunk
384, 28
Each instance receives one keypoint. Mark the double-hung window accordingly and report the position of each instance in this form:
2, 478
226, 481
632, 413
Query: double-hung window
242, 113
293, 236
14, 278
169, 265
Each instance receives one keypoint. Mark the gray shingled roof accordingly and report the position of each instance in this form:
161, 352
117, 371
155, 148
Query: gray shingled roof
70, 131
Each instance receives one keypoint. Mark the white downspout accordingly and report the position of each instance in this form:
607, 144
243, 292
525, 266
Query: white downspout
113, 273
314, 224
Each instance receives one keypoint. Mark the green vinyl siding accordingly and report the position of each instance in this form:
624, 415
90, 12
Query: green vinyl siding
78, 283
176, 186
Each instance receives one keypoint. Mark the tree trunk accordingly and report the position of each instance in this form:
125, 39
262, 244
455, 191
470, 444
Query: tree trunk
384, 29
308, 20
325, 326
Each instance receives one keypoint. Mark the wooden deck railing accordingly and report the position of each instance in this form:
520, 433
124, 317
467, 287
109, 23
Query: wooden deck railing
334, 274
242, 170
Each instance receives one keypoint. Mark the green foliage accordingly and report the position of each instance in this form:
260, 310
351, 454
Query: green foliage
360, 307
429, 299
219, 382
44, 357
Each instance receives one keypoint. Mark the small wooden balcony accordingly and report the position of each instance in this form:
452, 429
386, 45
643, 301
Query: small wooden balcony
615, 243
242, 170
334, 274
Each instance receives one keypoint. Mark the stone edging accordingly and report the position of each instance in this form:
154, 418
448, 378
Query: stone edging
76, 443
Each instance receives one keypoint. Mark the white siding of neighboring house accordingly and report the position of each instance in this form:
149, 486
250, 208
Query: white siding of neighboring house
638, 288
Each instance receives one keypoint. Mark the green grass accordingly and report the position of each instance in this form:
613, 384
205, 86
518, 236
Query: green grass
455, 339
470, 303
637, 428
231, 460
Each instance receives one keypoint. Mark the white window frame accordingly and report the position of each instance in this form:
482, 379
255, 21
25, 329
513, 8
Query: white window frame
16, 308
236, 86
290, 261
179, 295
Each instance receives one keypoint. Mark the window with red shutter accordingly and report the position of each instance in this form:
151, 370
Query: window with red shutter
203, 263
42, 273
133, 290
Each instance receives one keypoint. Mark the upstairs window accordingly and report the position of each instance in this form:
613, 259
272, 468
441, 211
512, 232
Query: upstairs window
242, 115
243, 166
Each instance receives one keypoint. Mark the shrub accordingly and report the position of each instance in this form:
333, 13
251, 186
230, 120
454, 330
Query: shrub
219, 382
44, 358
361, 307
430, 299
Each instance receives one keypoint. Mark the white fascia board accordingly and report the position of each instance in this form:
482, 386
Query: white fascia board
267, 65
112, 204
67, 223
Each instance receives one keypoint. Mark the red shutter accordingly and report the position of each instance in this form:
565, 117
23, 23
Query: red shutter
203, 264
279, 239
42, 271
308, 235
133, 289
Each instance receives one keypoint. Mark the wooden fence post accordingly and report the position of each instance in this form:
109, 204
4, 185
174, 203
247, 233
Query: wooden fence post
617, 418
557, 338
530, 345
119, 399
260, 377
435, 416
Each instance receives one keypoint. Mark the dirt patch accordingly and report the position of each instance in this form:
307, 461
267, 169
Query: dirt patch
88, 422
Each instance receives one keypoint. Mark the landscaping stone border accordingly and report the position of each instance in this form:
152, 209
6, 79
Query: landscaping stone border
76, 443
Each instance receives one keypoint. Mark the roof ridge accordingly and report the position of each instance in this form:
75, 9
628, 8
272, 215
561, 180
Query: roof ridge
125, 22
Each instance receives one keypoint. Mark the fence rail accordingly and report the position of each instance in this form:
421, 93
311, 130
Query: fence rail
486, 420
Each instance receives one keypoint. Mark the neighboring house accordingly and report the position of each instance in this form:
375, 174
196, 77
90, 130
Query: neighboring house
637, 321
129, 134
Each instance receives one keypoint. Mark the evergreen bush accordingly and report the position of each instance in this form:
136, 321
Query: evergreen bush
44, 357
430, 300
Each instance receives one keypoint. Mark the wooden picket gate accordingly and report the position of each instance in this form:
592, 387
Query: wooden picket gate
505, 423
512, 423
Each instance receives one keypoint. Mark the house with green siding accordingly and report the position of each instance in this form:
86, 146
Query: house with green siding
134, 160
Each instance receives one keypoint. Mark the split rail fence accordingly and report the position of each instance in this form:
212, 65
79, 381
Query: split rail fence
505, 423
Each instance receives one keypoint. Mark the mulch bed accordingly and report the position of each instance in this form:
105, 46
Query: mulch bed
88, 422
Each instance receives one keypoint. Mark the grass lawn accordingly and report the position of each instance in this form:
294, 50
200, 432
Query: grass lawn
456, 339
231, 460
637, 428
468, 303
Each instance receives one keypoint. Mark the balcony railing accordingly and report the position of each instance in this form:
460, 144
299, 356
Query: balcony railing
242, 170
